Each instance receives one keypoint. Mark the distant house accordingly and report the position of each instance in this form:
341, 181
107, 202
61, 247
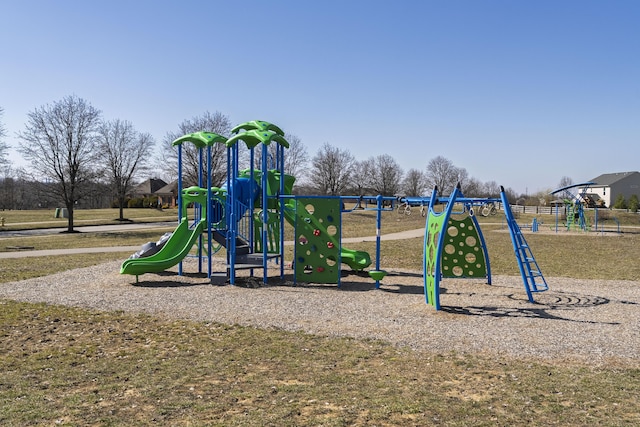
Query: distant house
147, 188
168, 195
609, 186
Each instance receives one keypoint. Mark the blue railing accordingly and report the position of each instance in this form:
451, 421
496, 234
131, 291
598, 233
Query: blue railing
244, 222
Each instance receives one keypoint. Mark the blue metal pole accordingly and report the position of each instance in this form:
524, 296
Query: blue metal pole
227, 209
340, 244
209, 213
252, 186
180, 196
232, 225
280, 157
378, 227
198, 217
265, 214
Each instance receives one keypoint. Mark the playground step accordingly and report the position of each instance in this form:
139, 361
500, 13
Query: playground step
254, 258
240, 266
250, 261
219, 278
242, 249
539, 288
242, 246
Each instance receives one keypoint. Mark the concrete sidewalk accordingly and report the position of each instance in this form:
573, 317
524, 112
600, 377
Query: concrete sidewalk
25, 253
401, 235
88, 229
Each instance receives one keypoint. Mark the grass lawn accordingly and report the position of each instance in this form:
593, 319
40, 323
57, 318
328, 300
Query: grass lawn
45, 218
68, 366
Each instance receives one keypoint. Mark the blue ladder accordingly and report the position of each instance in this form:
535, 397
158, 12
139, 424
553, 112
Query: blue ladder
527, 264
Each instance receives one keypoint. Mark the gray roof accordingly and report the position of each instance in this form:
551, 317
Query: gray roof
610, 178
149, 186
169, 188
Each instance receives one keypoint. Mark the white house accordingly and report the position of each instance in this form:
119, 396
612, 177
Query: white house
607, 187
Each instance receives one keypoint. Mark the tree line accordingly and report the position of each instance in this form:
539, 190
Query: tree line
78, 158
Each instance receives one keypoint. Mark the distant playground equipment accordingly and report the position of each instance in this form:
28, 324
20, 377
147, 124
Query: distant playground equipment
247, 217
488, 209
574, 206
405, 208
576, 198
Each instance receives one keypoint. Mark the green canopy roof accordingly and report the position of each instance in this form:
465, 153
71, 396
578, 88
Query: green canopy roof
258, 125
254, 137
201, 139
255, 132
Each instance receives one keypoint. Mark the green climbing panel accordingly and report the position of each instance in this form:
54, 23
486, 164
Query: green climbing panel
317, 240
435, 225
462, 254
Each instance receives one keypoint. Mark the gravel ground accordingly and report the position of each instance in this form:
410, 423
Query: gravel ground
586, 321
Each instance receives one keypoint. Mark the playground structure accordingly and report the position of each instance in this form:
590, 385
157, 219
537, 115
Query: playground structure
574, 206
454, 246
247, 217
576, 198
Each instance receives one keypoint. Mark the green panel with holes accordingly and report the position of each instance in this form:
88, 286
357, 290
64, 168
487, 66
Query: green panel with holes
317, 240
462, 254
435, 224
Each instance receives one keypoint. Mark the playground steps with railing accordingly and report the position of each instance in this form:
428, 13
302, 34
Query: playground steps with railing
250, 261
532, 277
244, 260
242, 246
529, 268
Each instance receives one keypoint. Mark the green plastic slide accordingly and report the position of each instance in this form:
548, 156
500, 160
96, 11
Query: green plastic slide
174, 251
357, 260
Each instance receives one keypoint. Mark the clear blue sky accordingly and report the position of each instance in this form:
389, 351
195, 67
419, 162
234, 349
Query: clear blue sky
517, 92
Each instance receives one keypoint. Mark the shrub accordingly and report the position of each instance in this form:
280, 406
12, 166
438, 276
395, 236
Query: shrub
633, 203
150, 202
135, 203
116, 204
620, 203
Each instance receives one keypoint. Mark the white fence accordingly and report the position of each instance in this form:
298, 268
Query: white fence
551, 210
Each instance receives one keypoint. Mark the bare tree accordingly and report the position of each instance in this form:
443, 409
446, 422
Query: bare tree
124, 153
296, 158
384, 175
565, 181
7, 183
461, 176
362, 176
60, 142
472, 187
442, 173
332, 170
510, 193
217, 123
414, 183
491, 189
4, 147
